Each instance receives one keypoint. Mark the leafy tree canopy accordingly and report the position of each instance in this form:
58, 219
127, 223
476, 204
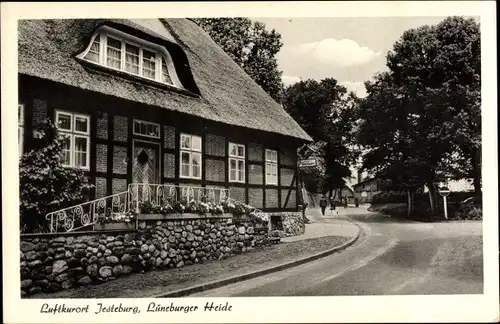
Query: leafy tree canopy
251, 46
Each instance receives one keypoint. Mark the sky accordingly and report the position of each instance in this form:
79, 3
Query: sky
350, 50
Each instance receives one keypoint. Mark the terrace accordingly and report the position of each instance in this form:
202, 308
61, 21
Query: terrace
123, 210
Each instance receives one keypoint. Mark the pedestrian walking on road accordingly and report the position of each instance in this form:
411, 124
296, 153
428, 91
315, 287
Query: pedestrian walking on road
333, 206
323, 203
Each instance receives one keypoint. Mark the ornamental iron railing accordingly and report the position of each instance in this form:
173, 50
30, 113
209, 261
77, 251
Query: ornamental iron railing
83, 216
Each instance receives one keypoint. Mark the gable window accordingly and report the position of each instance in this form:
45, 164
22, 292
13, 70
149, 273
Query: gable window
271, 167
117, 50
20, 128
236, 163
75, 130
190, 159
145, 128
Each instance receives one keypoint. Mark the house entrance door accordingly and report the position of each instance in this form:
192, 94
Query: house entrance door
146, 166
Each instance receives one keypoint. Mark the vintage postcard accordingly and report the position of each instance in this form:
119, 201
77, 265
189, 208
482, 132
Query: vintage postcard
253, 162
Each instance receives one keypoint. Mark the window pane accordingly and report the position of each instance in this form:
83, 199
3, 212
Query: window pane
185, 158
114, 53
81, 159
275, 156
232, 175
185, 141
196, 159
242, 176
268, 155
241, 165
196, 162
148, 64
241, 151
232, 164
196, 171
94, 51
64, 121
232, 149
164, 70
81, 144
131, 59
196, 143
81, 124
185, 170
66, 154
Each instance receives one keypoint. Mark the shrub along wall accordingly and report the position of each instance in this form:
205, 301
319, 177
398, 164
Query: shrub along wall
51, 263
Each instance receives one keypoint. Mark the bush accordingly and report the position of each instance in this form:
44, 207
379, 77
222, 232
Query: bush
45, 185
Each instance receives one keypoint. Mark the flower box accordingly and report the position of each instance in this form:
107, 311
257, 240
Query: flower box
114, 226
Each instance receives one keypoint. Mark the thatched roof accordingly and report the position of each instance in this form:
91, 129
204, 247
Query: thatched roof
219, 90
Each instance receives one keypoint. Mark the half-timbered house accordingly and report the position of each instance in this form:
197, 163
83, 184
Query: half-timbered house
156, 101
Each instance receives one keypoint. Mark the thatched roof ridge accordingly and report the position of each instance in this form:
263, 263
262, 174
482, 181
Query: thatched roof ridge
219, 89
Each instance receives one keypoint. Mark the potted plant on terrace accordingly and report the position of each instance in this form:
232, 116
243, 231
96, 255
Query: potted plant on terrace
115, 221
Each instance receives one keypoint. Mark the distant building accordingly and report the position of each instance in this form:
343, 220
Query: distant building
366, 189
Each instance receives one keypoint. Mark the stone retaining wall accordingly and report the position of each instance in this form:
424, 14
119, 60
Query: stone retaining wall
51, 263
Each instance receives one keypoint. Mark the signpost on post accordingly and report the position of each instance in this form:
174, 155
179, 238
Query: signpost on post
445, 192
308, 163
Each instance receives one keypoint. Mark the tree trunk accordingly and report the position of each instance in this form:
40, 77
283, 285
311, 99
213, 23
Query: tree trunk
410, 202
432, 197
476, 169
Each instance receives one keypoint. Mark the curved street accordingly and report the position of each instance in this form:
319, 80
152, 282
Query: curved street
392, 257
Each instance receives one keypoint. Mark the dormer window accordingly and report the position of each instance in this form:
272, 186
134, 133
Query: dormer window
119, 51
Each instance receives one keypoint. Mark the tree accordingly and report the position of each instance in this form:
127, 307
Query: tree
327, 112
45, 185
251, 46
425, 109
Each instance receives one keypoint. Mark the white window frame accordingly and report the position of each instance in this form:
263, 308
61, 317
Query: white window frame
271, 177
160, 51
190, 151
149, 123
72, 133
20, 128
237, 158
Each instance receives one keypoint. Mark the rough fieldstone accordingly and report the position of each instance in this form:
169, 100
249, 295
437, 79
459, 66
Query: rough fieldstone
27, 246
92, 270
105, 272
62, 277
80, 253
95, 250
66, 284
85, 280
180, 264
59, 266
126, 259
119, 251
35, 290
74, 262
144, 248
132, 250
34, 264
250, 230
76, 272
118, 270
110, 238
102, 247
127, 270
31, 255
112, 259
92, 259
26, 284
151, 248
101, 261
158, 262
